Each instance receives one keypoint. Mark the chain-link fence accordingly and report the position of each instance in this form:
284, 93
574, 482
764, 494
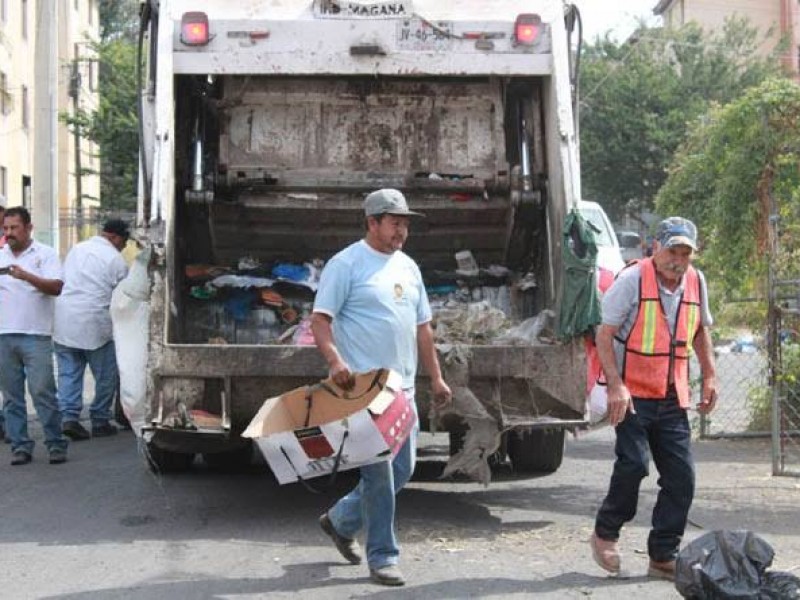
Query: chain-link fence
758, 377
785, 397
743, 380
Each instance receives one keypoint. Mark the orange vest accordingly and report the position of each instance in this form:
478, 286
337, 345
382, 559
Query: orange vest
651, 349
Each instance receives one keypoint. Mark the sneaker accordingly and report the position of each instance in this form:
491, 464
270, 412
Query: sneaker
20, 457
58, 456
388, 575
104, 430
662, 569
74, 431
605, 553
347, 547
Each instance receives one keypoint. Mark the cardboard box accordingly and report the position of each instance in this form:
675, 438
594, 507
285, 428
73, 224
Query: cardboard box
305, 432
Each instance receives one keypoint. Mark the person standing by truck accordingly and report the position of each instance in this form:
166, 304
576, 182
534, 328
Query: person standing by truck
3, 436
371, 311
653, 314
31, 279
82, 331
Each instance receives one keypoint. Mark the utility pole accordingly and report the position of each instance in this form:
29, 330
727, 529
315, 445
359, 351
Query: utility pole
45, 159
74, 93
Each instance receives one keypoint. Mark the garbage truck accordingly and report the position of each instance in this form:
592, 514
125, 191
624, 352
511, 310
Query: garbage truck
264, 124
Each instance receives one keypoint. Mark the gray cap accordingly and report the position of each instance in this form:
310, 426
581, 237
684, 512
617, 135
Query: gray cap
388, 202
677, 231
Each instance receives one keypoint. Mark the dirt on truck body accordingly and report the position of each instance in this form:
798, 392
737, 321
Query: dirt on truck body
266, 123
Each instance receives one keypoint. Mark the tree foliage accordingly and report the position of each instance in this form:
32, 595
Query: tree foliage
739, 161
118, 19
639, 96
112, 125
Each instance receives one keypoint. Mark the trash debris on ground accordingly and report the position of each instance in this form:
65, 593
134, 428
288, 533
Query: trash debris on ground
727, 565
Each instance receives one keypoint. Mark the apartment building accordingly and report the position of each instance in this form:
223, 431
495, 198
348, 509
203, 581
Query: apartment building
36, 91
778, 17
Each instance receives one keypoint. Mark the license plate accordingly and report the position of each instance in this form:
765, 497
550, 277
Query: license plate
344, 9
424, 36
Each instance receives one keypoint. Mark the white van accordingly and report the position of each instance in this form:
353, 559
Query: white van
608, 252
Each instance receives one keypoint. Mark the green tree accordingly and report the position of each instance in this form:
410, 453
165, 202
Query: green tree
639, 96
113, 124
738, 160
118, 19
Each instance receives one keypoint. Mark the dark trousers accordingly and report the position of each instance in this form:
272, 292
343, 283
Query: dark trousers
660, 428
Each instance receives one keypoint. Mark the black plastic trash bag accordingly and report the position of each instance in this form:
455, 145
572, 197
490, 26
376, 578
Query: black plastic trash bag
780, 585
728, 565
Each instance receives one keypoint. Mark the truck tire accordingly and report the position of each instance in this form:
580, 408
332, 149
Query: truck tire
536, 450
230, 461
165, 461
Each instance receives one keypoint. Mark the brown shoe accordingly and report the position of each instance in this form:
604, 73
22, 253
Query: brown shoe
387, 575
347, 547
605, 553
662, 569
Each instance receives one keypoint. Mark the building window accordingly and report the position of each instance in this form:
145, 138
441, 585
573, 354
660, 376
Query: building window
24, 25
77, 5
4, 183
26, 191
25, 116
91, 12
3, 10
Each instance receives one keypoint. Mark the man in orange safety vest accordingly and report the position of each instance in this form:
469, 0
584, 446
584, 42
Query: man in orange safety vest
654, 315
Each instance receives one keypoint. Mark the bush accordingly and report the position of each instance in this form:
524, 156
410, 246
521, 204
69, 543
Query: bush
760, 398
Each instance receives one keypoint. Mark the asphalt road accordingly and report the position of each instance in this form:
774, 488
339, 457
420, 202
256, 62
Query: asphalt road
102, 526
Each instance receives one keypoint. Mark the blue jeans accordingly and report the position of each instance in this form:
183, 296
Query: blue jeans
29, 357
371, 504
661, 426
71, 367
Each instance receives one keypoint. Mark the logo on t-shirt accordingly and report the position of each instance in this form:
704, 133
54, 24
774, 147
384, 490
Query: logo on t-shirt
398, 292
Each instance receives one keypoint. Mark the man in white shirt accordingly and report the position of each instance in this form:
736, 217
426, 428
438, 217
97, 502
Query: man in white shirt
82, 334
3, 435
30, 278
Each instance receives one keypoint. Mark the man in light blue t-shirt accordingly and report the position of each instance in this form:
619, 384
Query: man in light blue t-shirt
371, 311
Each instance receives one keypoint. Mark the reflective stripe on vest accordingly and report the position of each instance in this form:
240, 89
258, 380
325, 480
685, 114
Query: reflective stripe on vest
651, 350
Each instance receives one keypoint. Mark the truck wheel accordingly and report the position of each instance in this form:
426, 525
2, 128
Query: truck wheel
232, 460
165, 461
537, 450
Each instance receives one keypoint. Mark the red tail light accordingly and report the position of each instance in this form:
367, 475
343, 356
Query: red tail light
526, 29
194, 28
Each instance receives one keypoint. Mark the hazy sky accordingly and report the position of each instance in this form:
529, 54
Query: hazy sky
619, 16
